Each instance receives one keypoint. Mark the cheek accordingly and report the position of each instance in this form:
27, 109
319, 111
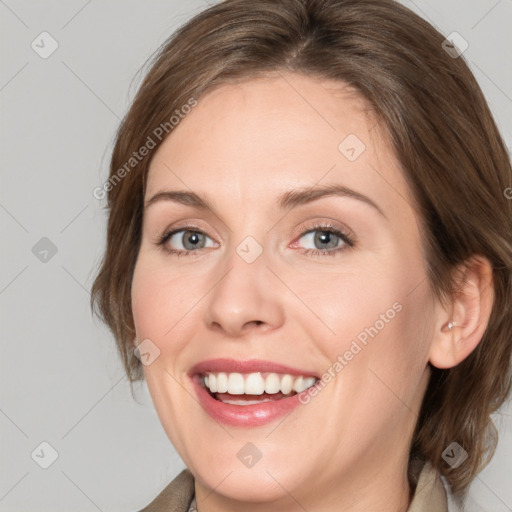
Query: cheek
386, 374
161, 300
350, 304
146, 304
378, 318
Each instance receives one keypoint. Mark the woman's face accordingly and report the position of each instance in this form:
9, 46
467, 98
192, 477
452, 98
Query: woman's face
331, 287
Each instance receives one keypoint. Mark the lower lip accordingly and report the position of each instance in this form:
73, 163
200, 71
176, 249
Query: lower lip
244, 415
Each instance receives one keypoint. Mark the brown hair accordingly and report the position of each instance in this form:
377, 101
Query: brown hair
442, 132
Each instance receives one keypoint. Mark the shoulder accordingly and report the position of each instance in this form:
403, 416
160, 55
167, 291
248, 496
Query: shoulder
175, 497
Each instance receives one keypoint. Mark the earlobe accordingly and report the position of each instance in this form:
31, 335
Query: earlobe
460, 329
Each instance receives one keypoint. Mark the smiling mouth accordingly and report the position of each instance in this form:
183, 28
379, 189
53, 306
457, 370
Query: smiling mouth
253, 388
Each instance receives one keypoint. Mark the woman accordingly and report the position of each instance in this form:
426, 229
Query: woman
266, 137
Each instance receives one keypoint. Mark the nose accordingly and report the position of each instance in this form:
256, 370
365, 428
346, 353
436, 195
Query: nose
245, 297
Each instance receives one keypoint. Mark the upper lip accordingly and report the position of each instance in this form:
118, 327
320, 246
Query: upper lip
247, 366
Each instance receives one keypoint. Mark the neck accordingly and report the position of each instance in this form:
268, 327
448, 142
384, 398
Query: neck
386, 490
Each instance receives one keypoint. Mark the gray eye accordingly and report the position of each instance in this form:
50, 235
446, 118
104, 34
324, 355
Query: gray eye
322, 239
189, 240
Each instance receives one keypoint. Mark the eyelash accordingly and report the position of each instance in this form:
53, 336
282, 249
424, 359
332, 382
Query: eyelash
323, 227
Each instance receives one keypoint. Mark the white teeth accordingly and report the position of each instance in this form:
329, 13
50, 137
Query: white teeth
236, 385
222, 383
303, 383
272, 383
286, 384
256, 384
212, 383
307, 383
297, 385
245, 402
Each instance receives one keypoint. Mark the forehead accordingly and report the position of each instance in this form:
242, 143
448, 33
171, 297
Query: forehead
254, 139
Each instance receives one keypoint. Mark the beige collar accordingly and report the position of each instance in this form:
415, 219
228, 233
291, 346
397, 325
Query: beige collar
430, 494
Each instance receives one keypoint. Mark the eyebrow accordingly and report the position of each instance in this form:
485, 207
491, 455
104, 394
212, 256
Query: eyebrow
288, 199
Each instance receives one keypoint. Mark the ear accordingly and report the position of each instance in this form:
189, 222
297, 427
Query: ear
469, 310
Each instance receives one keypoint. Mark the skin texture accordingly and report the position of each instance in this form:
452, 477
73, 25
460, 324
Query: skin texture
242, 146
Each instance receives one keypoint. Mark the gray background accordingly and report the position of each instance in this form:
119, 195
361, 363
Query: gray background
61, 380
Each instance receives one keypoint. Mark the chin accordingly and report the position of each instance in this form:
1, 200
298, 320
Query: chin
249, 485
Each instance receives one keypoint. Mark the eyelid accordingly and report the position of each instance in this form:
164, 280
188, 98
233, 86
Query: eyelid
325, 223
299, 231
193, 225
